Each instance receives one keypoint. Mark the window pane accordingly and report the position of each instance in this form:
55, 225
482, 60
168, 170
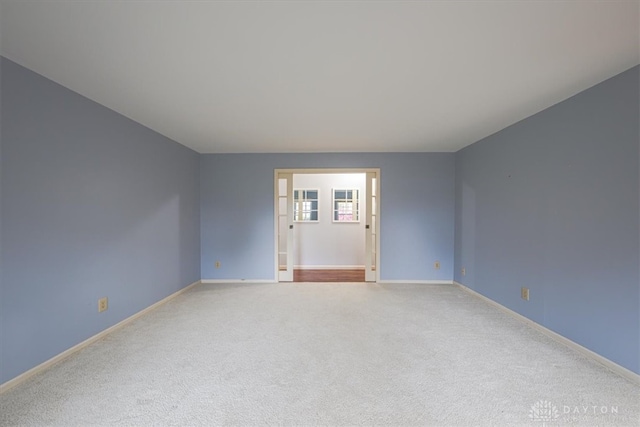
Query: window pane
346, 205
306, 201
282, 187
282, 262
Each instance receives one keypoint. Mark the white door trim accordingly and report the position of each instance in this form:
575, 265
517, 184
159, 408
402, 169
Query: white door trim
284, 275
301, 171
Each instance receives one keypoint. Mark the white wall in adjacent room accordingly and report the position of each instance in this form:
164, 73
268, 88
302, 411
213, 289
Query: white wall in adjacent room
326, 243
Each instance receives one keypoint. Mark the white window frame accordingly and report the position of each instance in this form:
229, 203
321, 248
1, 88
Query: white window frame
353, 201
296, 201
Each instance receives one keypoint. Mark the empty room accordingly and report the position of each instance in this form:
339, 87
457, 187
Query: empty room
331, 213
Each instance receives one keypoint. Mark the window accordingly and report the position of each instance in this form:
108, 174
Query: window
305, 205
346, 205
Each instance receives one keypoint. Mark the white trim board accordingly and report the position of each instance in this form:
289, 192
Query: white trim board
415, 282
326, 170
328, 267
232, 281
60, 357
612, 366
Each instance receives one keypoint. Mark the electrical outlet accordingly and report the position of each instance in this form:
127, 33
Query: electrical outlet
524, 293
103, 304
464, 271
217, 264
436, 265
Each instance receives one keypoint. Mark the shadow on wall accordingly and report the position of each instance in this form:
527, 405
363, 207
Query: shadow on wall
93, 205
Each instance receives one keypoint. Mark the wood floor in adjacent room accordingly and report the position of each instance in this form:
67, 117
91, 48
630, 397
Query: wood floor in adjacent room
304, 275
324, 354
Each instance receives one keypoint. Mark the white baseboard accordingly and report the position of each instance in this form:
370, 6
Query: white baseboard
232, 281
416, 282
612, 366
55, 359
328, 267
382, 282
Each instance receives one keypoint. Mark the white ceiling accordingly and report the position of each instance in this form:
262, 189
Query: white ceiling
332, 76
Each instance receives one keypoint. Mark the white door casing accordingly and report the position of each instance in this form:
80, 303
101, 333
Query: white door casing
371, 227
284, 220
284, 226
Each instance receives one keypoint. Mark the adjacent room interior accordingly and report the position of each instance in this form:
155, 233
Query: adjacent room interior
330, 224
461, 180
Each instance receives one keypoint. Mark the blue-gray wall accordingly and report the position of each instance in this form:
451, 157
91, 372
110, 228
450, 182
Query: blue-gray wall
416, 218
93, 205
551, 203
2, 316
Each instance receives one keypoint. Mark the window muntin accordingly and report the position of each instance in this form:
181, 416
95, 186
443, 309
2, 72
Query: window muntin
305, 205
346, 205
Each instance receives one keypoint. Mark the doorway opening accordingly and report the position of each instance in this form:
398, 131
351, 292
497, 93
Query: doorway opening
327, 225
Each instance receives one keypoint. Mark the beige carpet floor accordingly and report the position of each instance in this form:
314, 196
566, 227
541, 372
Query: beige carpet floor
324, 354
